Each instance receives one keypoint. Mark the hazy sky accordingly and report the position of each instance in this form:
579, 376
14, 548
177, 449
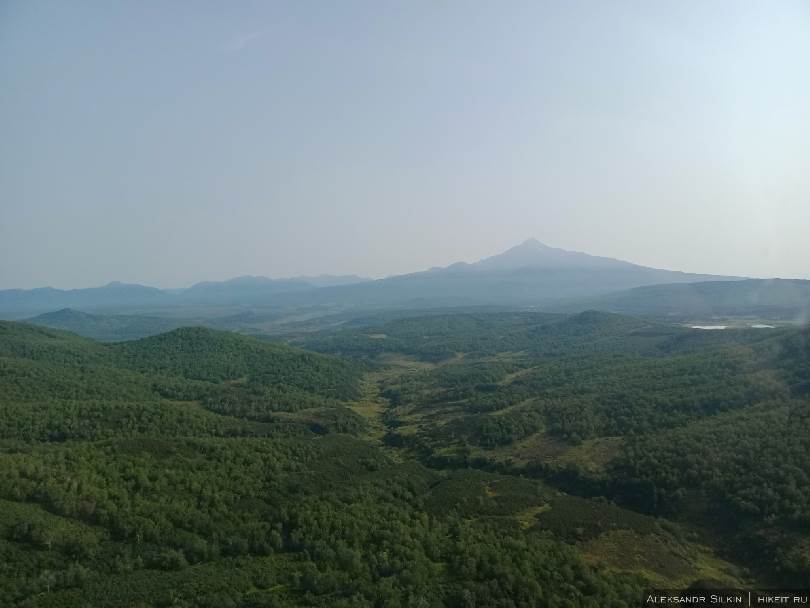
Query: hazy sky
170, 142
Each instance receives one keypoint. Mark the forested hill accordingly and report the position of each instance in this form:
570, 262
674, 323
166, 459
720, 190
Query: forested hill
204, 469
133, 387
107, 328
705, 427
505, 459
205, 354
191, 352
770, 298
439, 337
48, 345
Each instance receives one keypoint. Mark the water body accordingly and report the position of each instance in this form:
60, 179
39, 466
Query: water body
752, 326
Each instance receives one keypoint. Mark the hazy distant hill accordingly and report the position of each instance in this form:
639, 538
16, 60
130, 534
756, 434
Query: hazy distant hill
107, 328
331, 280
777, 298
250, 290
118, 297
239, 291
529, 274
23, 302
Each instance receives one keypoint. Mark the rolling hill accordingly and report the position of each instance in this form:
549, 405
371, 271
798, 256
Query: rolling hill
785, 299
468, 455
118, 297
107, 328
19, 303
530, 274
239, 377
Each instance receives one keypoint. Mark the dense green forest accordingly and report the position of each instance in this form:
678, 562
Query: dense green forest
705, 428
486, 459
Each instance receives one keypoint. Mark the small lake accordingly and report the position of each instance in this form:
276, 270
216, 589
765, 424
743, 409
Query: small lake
752, 326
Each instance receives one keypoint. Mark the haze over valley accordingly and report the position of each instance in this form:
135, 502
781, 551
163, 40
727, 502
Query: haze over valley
529, 276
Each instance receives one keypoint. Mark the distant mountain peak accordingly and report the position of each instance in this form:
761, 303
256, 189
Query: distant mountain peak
532, 253
529, 245
532, 243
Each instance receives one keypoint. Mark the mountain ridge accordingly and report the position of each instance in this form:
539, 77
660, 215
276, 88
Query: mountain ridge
528, 274
107, 328
788, 299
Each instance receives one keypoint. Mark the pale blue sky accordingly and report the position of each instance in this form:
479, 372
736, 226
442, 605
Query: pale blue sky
171, 142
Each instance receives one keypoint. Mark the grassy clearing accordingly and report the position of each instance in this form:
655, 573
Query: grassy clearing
528, 518
661, 559
371, 406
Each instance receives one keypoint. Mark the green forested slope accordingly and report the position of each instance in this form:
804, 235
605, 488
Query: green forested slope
199, 468
700, 427
35, 343
206, 354
525, 460
332, 522
58, 386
